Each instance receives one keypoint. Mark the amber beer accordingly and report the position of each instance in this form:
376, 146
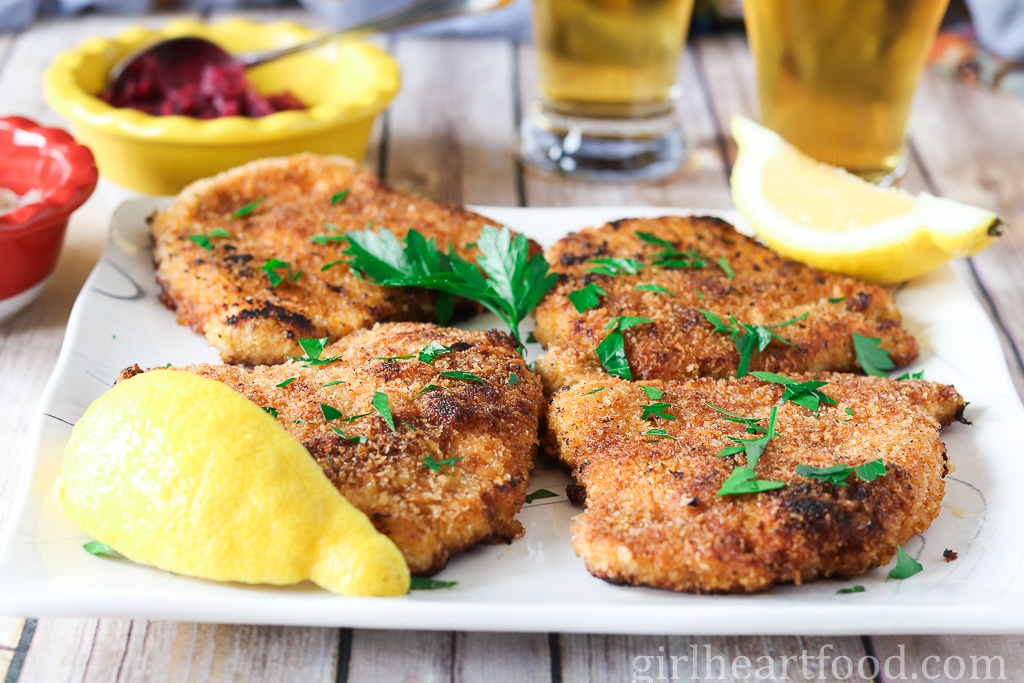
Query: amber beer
609, 58
836, 77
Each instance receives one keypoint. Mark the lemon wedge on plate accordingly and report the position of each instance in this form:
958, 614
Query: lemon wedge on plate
178, 471
830, 219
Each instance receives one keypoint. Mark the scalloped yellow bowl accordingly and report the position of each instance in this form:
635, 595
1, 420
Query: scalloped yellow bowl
345, 84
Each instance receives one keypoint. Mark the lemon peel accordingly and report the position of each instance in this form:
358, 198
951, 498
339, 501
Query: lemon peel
830, 219
180, 472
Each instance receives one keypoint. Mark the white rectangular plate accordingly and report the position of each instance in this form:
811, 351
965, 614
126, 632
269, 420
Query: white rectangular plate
536, 583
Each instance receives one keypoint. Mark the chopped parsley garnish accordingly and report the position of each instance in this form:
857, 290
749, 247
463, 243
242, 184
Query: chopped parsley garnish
331, 384
330, 226
530, 339
747, 337
330, 412
751, 448
851, 589
724, 264
299, 422
513, 379
614, 266
381, 404
429, 387
836, 299
286, 382
751, 423
351, 439
273, 265
660, 434
838, 474
906, 566
912, 375
655, 240
806, 394
743, 480
431, 351
327, 239
270, 410
205, 242
248, 208
468, 376
392, 358
314, 348
588, 297
340, 197
594, 391
873, 359
651, 287
505, 279
99, 549
612, 349
539, 494
653, 393
656, 410
436, 465
331, 264
419, 583
671, 258
353, 418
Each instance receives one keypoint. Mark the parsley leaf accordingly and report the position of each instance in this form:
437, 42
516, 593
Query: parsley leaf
330, 264
870, 471
331, 384
588, 297
513, 379
340, 197
612, 349
506, 280
656, 241
594, 391
436, 465
751, 423
458, 374
653, 393
747, 337
752, 448
392, 358
429, 387
838, 474
273, 265
539, 494
431, 351
351, 439
743, 480
352, 419
99, 549
836, 299
660, 434
614, 266
286, 382
872, 358
654, 288
270, 410
381, 404
327, 239
248, 208
851, 589
804, 394
906, 566
656, 410
724, 264
671, 258
205, 242
912, 375
419, 583
330, 412
314, 348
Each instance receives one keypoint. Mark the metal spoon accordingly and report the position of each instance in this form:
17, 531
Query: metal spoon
178, 61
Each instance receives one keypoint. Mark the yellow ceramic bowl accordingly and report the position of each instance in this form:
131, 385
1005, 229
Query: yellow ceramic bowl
345, 84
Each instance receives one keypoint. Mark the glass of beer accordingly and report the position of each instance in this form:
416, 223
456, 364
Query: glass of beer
606, 88
836, 77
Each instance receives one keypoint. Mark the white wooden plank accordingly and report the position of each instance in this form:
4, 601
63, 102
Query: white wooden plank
401, 656
10, 635
451, 129
945, 659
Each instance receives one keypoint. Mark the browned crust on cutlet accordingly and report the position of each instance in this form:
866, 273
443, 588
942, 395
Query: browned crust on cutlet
652, 516
767, 289
224, 294
491, 429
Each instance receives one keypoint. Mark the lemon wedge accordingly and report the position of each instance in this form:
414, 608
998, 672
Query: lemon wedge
178, 471
830, 219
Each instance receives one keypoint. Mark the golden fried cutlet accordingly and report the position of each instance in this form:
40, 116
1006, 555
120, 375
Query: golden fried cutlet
453, 472
653, 516
224, 293
766, 289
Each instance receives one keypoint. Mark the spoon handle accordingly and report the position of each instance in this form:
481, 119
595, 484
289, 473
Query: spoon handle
416, 13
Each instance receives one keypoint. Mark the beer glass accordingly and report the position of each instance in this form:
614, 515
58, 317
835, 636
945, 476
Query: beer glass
836, 77
606, 95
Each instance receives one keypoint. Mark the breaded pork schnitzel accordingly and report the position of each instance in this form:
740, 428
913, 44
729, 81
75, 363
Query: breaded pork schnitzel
653, 516
443, 462
706, 266
251, 257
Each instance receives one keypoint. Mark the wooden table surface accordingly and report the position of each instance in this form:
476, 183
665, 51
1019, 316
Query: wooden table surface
451, 133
